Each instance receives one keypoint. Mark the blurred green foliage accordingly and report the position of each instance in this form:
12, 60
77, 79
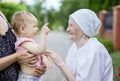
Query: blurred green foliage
69, 6
41, 13
37, 11
116, 65
9, 8
60, 17
107, 43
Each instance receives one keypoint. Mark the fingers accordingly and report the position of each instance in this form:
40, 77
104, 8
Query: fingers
29, 64
31, 60
51, 54
45, 29
22, 53
39, 71
48, 52
32, 57
46, 61
26, 58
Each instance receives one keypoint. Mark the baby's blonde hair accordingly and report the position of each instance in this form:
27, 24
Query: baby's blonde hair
21, 18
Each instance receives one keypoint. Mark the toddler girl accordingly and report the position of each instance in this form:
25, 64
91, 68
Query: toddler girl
25, 26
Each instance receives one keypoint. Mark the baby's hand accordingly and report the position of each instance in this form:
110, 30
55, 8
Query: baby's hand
45, 30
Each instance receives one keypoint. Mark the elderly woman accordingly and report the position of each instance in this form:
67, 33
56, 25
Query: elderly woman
87, 59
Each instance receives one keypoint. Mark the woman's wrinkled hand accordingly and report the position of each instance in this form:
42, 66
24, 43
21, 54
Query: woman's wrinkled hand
46, 61
55, 58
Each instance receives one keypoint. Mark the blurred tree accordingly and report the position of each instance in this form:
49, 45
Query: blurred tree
9, 8
53, 19
37, 10
40, 11
69, 6
102, 4
56, 18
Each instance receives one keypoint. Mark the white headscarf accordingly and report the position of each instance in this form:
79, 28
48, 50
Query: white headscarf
88, 21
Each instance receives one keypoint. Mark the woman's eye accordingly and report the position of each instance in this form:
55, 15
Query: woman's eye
71, 25
34, 26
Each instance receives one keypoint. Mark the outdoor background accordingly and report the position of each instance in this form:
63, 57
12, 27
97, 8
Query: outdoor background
56, 12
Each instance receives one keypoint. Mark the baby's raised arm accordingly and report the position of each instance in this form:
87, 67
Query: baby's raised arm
41, 48
43, 38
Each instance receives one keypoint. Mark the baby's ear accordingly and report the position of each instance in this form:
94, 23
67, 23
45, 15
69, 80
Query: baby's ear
22, 29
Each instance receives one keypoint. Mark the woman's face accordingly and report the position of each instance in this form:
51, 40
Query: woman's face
74, 30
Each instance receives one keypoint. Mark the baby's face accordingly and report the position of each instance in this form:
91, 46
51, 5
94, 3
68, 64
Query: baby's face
31, 28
